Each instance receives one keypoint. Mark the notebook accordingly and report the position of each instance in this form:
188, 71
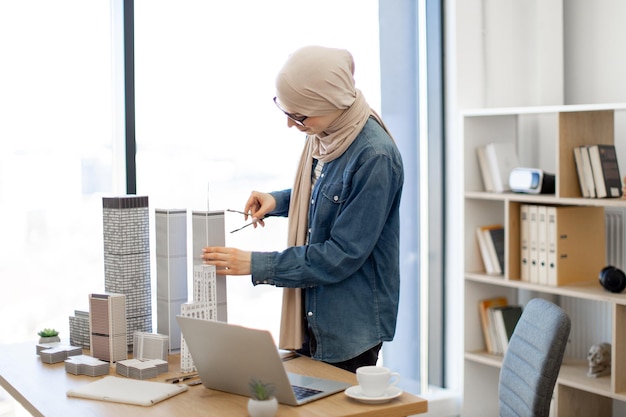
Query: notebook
227, 356
127, 391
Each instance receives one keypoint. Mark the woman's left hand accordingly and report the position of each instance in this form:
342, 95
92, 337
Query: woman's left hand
228, 261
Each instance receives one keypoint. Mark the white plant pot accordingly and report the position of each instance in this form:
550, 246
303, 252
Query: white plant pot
51, 339
267, 408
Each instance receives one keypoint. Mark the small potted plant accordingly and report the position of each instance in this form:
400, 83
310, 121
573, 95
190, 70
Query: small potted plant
262, 402
48, 336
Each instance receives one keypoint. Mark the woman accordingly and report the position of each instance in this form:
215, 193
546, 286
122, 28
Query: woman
341, 269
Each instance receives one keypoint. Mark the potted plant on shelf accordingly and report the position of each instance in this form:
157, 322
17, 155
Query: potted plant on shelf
262, 402
48, 336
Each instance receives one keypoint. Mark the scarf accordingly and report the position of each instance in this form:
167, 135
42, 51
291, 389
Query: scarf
316, 81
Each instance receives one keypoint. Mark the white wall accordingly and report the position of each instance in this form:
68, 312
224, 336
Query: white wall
521, 53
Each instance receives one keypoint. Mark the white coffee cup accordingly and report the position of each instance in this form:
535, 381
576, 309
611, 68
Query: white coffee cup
376, 380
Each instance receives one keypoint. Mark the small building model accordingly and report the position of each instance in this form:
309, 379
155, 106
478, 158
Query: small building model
79, 329
150, 346
107, 327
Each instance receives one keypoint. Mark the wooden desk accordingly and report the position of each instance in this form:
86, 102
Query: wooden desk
41, 389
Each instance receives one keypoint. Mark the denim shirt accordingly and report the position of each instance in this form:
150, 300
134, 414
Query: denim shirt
349, 269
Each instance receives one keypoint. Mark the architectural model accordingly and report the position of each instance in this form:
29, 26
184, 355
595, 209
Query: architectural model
208, 230
141, 369
171, 264
107, 324
203, 307
150, 346
58, 353
126, 233
86, 365
79, 329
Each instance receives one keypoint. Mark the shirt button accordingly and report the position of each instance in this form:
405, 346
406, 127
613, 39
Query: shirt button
310, 314
309, 230
322, 176
312, 201
335, 198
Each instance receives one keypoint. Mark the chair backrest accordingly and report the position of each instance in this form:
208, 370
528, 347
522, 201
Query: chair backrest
533, 359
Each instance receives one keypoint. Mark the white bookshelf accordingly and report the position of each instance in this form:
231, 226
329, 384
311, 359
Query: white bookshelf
544, 137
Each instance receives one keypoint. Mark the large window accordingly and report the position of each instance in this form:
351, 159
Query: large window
208, 132
56, 152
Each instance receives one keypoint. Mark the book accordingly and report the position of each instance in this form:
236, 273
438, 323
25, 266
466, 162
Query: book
488, 329
588, 172
506, 318
582, 180
496, 239
487, 249
496, 161
485, 172
524, 243
484, 251
607, 179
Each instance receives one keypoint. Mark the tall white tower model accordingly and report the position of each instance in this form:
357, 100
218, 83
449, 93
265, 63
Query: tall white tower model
171, 264
107, 327
127, 258
208, 230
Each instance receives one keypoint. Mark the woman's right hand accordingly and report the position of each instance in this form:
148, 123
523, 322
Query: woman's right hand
258, 205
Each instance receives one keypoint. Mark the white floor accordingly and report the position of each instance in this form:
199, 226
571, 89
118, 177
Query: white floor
442, 403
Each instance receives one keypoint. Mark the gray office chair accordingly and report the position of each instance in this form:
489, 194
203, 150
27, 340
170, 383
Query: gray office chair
533, 359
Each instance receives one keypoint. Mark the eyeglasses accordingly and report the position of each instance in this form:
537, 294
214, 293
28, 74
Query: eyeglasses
247, 224
299, 120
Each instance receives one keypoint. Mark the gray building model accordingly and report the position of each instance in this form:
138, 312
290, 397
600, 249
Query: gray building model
150, 346
209, 230
79, 329
126, 229
171, 264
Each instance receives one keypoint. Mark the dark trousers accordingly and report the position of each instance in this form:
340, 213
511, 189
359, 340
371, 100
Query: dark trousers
369, 357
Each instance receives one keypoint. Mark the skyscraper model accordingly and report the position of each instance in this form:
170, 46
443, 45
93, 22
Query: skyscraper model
127, 258
171, 264
203, 306
208, 230
107, 327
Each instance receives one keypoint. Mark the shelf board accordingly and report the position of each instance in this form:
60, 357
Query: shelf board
514, 111
573, 374
590, 290
545, 199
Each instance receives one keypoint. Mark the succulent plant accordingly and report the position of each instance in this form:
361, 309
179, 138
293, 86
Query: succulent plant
260, 390
48, 333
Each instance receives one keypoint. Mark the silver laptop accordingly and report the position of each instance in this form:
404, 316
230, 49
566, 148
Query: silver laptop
227, 356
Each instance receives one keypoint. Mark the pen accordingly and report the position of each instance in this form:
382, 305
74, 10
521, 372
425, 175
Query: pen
181, 378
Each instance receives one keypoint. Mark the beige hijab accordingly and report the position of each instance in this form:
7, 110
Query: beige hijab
316, 81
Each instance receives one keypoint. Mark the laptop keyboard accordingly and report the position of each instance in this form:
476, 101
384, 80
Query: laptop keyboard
304, 392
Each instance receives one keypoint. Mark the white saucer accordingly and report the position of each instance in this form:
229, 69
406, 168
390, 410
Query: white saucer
356, 393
